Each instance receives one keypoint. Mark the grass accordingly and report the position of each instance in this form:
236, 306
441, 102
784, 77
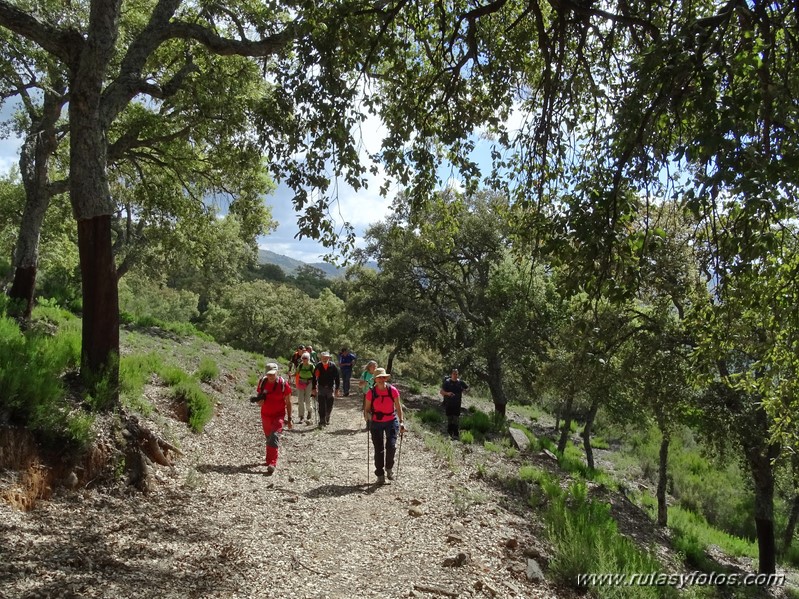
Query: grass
208, 370
197, 401
441, 446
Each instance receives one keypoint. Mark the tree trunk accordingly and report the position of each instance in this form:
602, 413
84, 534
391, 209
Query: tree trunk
589, 423
565, 430
39, 146
390, 362
790, 528
92, 204
494, 380
763, 476
663, 464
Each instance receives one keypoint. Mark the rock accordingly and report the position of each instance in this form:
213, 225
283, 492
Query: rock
533, 571
512, 544
415, 512
454, 539
532, 552
549, 454
520, 440
416, 502
458, 528
486, 587
461, 559
71, 481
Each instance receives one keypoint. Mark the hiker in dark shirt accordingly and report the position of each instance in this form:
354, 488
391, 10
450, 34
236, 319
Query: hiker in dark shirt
452, 391
326, 384
346, 361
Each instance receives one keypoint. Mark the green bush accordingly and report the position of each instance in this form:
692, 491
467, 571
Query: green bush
134, 372
585, 539
208, 370
466, 437
172, 375
477, 421
430, 416
198, 403
31, 367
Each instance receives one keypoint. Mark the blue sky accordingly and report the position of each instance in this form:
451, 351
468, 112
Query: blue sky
360, 209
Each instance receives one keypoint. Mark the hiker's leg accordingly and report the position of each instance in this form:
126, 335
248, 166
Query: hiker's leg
346, 374
391, 443
273, 440
379, 443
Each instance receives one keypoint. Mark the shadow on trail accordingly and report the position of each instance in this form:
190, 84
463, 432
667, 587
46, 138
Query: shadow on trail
348, 431
233, 469
341, 490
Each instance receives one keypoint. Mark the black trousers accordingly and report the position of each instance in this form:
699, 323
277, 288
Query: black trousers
324, 398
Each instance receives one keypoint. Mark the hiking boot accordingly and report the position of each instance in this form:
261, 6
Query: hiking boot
381, 480
308, 416
270, 470
389, 474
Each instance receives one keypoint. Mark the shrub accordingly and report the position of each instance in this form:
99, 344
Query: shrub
198, 403
585, 539
477, 421
172, 375
431, 416
208, 370
466, 437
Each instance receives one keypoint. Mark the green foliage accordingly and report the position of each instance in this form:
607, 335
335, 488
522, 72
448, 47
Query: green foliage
466, 437
430, 416
144, 298
134, 372
585, 539
173, 375
31, 370
714, 489
208, 370
478, 422
197, 401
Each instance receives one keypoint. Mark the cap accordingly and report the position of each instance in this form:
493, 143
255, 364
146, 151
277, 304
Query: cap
324, 354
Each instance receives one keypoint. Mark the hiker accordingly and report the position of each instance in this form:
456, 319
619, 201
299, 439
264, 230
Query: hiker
274, 397
295, 359
304, 383
366, 382
452, 392
346, 362
312, 353
325, 387
383, 410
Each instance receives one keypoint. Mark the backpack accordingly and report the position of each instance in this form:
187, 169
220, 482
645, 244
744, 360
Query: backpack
262, 393
390, 395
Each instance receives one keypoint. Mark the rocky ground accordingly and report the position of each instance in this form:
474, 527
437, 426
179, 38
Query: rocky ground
216, 526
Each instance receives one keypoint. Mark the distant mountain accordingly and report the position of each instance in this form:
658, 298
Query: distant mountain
290, 266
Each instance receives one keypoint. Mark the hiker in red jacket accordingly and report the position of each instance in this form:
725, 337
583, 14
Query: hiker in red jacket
274, 397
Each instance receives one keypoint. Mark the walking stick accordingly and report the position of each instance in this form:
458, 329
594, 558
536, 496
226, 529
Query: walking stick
368, 434
399, 452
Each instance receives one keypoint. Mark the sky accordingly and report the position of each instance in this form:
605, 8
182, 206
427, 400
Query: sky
360, 208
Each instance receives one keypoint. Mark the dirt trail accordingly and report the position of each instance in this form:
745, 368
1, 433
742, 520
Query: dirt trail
217, 526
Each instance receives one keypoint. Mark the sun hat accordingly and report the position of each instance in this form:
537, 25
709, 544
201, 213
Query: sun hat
324, 354
271, 368
381, 373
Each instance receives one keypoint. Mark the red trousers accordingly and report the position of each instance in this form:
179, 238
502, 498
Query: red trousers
273, 427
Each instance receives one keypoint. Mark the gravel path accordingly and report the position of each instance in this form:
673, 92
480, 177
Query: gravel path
217, 526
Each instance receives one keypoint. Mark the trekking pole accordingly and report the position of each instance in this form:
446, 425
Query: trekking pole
399, 453
368, 434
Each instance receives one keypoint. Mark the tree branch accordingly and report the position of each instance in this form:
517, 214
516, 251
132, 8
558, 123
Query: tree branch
65, 44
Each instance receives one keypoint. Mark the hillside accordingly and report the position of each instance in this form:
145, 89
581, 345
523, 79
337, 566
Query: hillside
458, 521
290, 265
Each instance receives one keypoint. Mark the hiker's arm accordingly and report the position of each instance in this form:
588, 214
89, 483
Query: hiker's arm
367, 407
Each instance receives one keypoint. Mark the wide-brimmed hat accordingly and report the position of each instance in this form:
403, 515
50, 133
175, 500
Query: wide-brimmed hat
381, 373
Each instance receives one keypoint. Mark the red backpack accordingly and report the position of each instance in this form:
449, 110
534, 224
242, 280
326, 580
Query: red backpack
381, 416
